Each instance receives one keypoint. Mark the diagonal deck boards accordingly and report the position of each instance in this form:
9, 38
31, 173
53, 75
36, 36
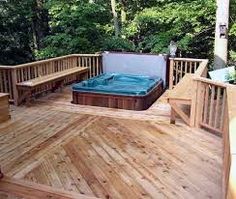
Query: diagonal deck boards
109, 153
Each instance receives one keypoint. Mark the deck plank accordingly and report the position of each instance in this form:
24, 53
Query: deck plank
109, 153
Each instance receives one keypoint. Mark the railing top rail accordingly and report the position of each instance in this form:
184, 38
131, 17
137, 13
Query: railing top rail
88, 55
48, 60
188, 59
6, 67
212, 82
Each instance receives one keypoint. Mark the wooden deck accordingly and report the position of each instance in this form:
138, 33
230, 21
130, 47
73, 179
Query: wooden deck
109, 153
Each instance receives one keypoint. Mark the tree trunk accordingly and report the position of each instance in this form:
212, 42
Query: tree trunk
40, 25
115, 17
123, 11
221, 35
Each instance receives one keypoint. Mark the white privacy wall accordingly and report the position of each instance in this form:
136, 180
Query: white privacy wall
137, 64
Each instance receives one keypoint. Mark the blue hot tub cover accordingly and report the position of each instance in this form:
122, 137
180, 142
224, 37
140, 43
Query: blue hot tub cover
118, 84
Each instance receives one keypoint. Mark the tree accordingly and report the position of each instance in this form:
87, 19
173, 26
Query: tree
221, 35
115, 18
38, 29
40, 26
15, 32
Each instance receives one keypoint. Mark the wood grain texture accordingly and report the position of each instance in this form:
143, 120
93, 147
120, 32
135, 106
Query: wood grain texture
110, 153
30, 190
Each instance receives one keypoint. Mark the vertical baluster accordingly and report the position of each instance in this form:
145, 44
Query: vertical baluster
79, 61
75, 62
9, 83
14, 72
181, 70
171, 75
217, 110
86, 62
46, 68
206, 103
222, 117
49, 67
82, 62
65, 63
22, 74
195, 66
1, 80
5, 82
18, 75
95, 66
176, 72
212, 105
90, 70
98, 66
185, 67
29, 72
191, 67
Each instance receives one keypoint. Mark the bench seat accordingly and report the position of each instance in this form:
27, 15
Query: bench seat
52, 77
57, 78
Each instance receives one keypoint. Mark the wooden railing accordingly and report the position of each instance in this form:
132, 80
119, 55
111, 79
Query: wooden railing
11, 75
215, 110
181, 66
211, 102
229, 135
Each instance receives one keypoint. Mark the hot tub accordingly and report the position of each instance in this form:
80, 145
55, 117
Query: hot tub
134, 92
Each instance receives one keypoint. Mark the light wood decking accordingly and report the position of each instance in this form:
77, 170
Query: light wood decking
110, 153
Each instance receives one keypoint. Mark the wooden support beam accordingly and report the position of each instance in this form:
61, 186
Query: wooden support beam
178, 110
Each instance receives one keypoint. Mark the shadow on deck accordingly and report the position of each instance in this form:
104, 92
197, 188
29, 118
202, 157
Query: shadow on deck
110, 153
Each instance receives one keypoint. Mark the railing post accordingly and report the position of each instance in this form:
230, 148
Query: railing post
199, 101
171, 73
14, 87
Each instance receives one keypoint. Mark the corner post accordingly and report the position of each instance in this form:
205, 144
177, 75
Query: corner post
199, 101
171, 73
14, 87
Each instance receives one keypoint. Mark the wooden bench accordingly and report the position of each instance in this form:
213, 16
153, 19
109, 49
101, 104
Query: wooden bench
55, 80
182, 95
4, 107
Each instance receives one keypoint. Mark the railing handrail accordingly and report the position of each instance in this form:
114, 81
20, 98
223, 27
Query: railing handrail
48, 60
209, 81
187, 59
6, 67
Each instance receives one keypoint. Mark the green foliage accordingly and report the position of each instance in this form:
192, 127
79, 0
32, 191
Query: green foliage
118, 44
232, 32
76, 27
190, 23
14, 32
83, 26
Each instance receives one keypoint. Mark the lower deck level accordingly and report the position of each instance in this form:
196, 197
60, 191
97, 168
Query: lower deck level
109, 153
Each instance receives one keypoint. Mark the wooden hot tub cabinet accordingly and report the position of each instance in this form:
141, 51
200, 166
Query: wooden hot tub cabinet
119, 101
